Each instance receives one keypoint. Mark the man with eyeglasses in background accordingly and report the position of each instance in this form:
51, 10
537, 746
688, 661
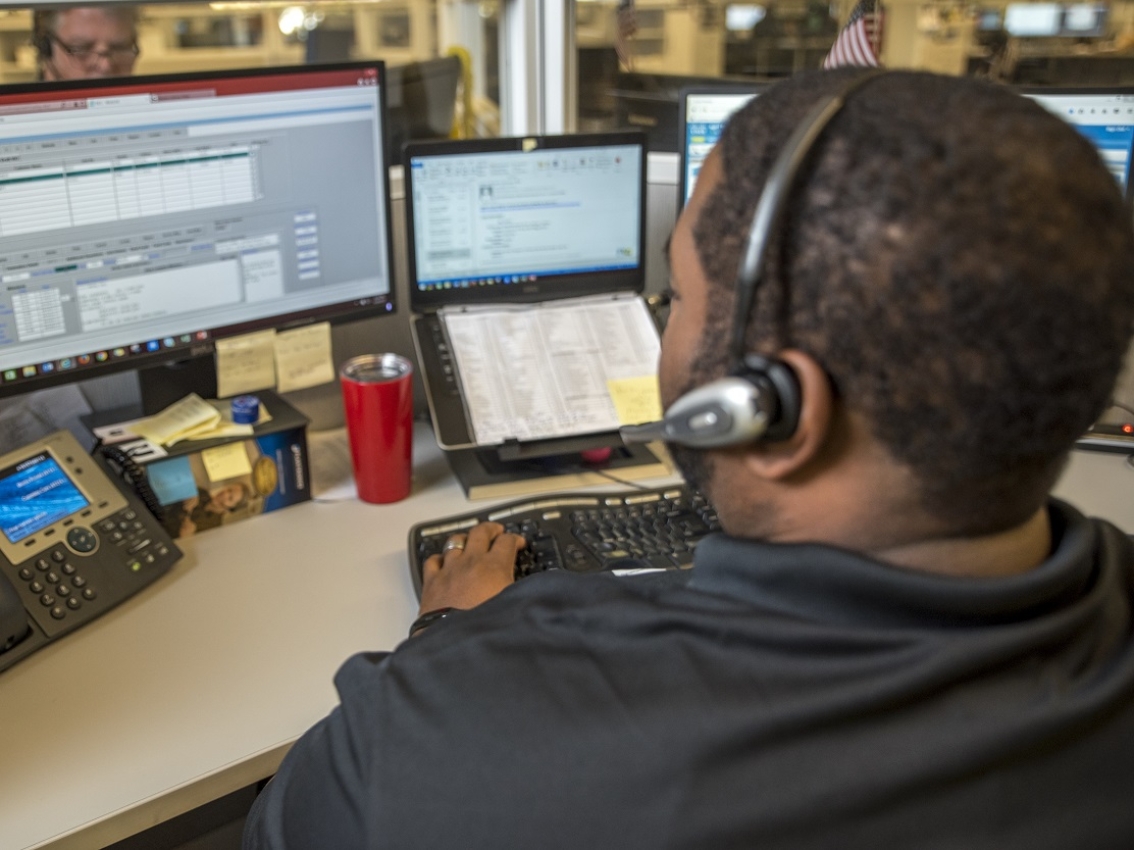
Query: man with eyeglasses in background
85, 41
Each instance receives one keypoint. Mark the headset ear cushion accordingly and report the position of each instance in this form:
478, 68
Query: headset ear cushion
784, 386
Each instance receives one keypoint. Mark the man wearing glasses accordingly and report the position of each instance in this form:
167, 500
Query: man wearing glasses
79, 42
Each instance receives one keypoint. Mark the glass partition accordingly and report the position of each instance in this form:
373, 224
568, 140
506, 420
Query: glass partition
442, 52
635, 58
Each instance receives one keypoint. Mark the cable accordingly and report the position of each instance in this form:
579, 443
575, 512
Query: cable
134, 474
1122, 406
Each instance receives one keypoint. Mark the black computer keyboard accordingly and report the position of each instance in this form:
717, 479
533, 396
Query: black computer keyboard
586, 532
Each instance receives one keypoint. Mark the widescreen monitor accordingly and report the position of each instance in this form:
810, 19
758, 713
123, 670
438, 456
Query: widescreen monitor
142, 219
525, 219
1104, 115
704, 111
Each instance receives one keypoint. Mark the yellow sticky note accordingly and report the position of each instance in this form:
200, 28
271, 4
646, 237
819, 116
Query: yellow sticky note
303, 357
227, 461
636, 400
246, 363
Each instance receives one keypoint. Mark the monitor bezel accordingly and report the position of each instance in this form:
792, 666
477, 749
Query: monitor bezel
547, 288
1123, 91
334, 313
755, 89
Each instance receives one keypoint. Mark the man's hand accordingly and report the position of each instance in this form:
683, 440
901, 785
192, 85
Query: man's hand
475, 567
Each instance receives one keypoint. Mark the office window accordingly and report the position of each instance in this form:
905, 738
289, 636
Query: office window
443, 54
631, 67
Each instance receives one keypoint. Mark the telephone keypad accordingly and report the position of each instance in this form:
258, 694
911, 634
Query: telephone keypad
52, 571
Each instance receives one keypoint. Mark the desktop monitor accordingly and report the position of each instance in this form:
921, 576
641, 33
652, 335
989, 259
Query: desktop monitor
1033, 20
524, 219
704, 111
142, 219
1084, 20
1104, 115
1051, 20
742, 17
421, 101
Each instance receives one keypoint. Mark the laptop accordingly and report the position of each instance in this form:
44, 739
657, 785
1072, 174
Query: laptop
555, 222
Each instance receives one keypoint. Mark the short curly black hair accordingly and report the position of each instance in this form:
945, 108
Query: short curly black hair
958, 259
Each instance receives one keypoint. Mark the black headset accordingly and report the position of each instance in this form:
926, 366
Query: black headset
759, 399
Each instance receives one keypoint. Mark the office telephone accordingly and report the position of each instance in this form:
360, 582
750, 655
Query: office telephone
73, 544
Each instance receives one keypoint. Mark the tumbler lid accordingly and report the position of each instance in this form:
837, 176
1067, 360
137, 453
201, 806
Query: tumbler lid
376, 368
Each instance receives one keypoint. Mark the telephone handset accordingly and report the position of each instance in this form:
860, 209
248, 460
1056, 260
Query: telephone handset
73, 544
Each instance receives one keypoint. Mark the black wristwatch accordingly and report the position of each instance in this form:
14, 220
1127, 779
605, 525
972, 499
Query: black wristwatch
429, 618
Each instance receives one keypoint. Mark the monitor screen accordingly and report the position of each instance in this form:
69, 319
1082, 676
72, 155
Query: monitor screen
1084, 20
987, 20
1033, 20
143, 218
527, 219
1104, 116
704, 113
35, 493
743, 17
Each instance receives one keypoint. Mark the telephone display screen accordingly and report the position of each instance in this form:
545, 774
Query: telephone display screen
35, 493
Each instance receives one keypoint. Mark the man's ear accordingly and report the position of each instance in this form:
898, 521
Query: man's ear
782, 458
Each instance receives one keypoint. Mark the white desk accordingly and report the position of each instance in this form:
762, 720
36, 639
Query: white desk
197, 686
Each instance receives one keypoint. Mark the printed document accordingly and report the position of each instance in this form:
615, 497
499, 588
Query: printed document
541, 371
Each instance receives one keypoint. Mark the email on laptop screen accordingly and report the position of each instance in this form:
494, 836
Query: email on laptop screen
525, 219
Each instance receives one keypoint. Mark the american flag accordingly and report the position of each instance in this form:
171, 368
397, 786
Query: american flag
860, 41
627, 25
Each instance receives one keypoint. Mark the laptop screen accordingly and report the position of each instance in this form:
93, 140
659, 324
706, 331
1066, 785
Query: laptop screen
704, 113
1104, 115
525, 219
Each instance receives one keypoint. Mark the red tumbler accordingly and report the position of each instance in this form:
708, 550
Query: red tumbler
378, 400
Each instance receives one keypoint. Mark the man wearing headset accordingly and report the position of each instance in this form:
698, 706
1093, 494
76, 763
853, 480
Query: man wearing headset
900, 640
85, 41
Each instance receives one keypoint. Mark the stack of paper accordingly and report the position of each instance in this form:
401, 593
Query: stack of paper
556, 368
192, 418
